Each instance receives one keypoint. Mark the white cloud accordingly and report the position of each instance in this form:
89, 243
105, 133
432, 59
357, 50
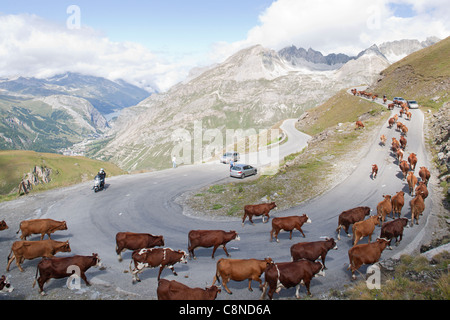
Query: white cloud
346, 26
32, 46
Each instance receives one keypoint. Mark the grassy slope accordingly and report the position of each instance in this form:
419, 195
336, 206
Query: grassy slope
36, 126
65, 170
340, 108
423, 75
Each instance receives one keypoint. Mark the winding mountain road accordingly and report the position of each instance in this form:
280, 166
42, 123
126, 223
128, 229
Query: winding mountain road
145, 203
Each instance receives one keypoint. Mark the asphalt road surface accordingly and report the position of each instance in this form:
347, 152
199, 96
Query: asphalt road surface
145, 203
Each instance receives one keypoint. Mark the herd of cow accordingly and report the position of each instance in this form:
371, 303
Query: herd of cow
308, 258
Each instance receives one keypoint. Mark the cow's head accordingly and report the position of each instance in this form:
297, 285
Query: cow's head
97, 261
184, 257
331, 243
62, 226
3, 225
268, 260
5, 285
235, 235
160, 241
308, 220
383, 243
404, 221
65, 247
375, 219
273, 205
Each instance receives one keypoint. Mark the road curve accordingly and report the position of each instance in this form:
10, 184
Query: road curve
145, 203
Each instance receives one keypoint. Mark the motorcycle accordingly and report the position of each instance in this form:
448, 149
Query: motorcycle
99, 183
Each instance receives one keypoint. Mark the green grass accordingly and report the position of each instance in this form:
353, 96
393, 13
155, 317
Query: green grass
65, 170
431, 281
340, 108
423, 76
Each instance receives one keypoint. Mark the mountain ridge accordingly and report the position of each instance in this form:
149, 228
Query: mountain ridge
252, 89
105, 95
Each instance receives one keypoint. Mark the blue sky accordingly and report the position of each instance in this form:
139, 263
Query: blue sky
156, 43
169, 26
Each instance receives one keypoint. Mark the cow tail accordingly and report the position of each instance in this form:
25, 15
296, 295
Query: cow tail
9, 255
20, 224
130, 265
35, 277
217, 276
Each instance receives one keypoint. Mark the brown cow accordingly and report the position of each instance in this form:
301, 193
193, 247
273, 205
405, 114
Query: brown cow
398, 201
412, 159
408, 115
58, 268
240, 270
364, 228
384, 208
399, 125
424, 174
393, 229
40, 226
34, 249
313, 250
417, 207
135, 241
290, 274
422, 190
412, 181
288, 224
3, 225
210, 238
383, 140
155, 257
359, 125
404, 130
391, 122
374, 171
403, 142
348, 217
404, 167
262, 209
395, 145
367, 253
399, 155
174, 290
5, 285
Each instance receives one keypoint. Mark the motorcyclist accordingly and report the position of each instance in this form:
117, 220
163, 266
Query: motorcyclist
102, 175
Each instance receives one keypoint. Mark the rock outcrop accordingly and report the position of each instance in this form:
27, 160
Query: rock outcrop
36, 176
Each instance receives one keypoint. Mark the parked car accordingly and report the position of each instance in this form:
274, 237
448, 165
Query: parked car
228, 156
242, 170
412, 104
399, 99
